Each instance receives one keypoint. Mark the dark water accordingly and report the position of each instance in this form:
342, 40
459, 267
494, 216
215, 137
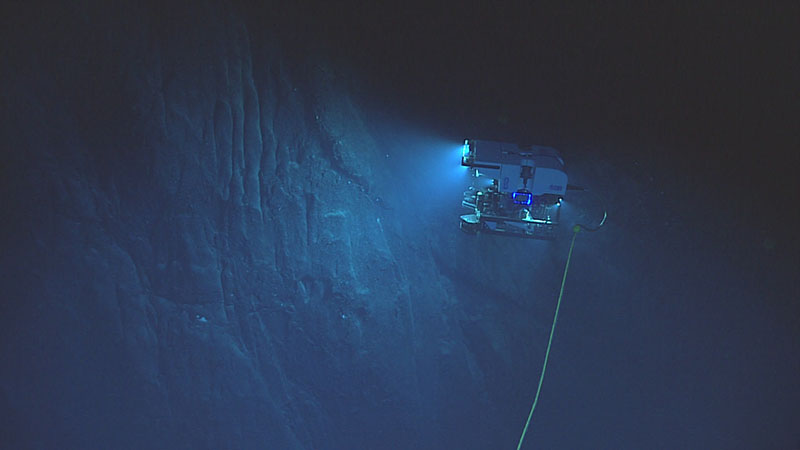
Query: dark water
236, 227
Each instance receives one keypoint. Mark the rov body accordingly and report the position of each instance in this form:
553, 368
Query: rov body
514, 190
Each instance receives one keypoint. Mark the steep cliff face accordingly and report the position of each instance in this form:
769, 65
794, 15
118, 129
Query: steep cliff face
204, 257
210, 244
203, 265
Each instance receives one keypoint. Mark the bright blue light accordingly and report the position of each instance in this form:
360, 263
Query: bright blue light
522, 198
461, 151
437, 161
452, 169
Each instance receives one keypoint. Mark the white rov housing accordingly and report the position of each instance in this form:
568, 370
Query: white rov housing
515, 190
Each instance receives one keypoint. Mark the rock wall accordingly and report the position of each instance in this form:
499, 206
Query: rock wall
198, 258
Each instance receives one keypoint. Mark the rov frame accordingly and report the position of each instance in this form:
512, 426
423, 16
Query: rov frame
514, 191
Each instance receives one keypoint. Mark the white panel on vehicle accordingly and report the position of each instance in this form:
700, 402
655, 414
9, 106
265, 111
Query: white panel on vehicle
549, 181
509, 180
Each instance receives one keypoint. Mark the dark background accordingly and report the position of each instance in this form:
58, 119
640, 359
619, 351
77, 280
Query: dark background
707, 90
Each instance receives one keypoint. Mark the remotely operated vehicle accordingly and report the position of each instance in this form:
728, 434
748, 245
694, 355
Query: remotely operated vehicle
515, 190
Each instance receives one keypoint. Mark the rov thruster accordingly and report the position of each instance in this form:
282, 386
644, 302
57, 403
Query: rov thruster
515, 190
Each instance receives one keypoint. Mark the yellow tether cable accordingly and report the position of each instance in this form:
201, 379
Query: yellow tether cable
576, 229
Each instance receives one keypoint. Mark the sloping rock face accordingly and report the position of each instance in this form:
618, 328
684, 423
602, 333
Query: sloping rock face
199, 256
